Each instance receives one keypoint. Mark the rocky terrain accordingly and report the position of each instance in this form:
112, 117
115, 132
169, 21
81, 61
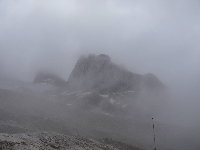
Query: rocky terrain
101, 106
52, 140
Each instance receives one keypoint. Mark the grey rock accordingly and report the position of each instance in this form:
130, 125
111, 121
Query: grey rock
100, 73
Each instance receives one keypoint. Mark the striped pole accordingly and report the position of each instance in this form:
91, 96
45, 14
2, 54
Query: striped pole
154, 136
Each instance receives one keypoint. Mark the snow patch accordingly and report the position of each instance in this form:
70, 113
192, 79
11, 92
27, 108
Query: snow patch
79, 95
112, 101
86, 93
105, 96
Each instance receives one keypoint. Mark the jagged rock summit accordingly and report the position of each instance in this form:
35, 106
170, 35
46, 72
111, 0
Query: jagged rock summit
100, 73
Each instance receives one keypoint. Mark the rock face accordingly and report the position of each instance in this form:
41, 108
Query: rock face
99, 73
50, 79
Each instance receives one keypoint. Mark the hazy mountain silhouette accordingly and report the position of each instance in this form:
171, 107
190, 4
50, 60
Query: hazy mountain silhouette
100, 73
49, 78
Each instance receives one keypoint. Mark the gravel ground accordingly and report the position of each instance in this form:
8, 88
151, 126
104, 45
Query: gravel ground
50, 141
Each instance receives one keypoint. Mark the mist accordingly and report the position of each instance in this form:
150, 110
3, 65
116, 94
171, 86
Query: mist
158, 37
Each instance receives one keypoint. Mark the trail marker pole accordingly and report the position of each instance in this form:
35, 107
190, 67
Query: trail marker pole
154, 136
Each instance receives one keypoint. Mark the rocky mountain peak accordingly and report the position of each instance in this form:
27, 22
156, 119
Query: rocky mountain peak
100, 73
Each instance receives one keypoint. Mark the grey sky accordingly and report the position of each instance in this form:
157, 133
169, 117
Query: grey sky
161, 37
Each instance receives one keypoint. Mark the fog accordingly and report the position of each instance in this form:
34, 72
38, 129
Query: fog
158, 37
